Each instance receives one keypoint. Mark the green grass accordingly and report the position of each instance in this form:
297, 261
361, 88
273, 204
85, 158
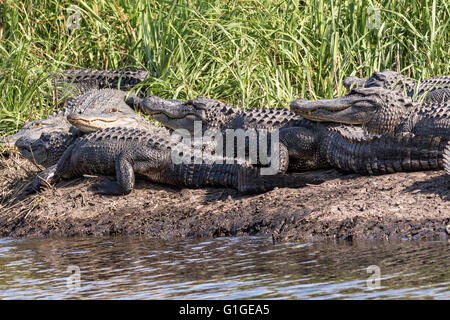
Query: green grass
249, 53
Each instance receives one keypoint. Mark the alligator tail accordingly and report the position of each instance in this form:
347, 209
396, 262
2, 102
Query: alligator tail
447, 159
85, 80
251, 181
386, 154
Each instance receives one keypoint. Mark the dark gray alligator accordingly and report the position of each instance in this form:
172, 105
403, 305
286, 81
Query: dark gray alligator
96, 109
380, 111
212, 114
80, 82
126, 152
323, 145
435, 89
300, 140
226, 120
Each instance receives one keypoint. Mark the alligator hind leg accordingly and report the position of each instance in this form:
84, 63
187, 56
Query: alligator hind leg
112, 187
141, 160
125, 179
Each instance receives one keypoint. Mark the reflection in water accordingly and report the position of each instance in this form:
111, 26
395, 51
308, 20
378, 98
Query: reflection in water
221, 268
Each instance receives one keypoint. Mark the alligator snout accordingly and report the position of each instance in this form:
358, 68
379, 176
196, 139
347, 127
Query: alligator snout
304, 107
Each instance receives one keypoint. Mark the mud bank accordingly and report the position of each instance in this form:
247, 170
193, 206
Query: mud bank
397, 206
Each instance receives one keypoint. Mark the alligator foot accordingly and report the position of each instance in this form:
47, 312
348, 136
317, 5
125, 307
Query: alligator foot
43, 180
109, 187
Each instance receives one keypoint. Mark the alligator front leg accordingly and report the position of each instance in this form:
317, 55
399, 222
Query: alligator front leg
125, 178
52, 174
44, 179
124, 182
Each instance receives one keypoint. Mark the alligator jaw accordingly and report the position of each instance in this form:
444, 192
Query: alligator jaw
170, 108
91, 123
186, 122
10, 142
173, 114
342, 110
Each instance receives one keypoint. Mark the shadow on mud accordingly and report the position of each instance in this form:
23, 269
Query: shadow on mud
432, 185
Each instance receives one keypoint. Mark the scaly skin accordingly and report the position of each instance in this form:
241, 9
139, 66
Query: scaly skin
82, 81
129, 152
330, 145
319, 146
104, 104
213, 114
435, 89
447, 159
380, 111
216, 116
303, 150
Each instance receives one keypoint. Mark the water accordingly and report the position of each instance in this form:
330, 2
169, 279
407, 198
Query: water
222, 268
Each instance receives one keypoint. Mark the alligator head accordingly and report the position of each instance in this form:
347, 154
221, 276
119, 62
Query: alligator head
379, 110
47, 149
176, 114
385, 79
33, 130
113, 117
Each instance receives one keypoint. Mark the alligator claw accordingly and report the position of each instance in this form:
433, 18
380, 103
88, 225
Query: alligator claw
29, 190
110, 187
38, 184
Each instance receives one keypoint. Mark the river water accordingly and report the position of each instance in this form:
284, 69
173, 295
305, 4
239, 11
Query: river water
221, 268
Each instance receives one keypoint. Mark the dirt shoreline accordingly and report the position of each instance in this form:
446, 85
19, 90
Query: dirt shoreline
396, 206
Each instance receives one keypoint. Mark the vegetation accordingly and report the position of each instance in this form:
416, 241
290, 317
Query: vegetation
246, 52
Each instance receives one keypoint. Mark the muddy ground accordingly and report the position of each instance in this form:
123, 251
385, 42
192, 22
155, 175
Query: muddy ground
396, 206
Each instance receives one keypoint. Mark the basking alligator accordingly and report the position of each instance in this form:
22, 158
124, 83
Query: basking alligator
230, 123
128, 152
323, 145
380, 111
304, 145
436, 89
82, 81
96, 109
212, 114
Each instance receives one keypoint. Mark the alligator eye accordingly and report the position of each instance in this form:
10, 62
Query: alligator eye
36, 124
113, 110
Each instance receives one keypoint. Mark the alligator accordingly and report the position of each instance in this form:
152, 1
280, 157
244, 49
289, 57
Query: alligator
435, 89
379, 111
96, 109
324, 145
298, 151
313, 146
80, 82
126, 152
201, 115
212, 114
